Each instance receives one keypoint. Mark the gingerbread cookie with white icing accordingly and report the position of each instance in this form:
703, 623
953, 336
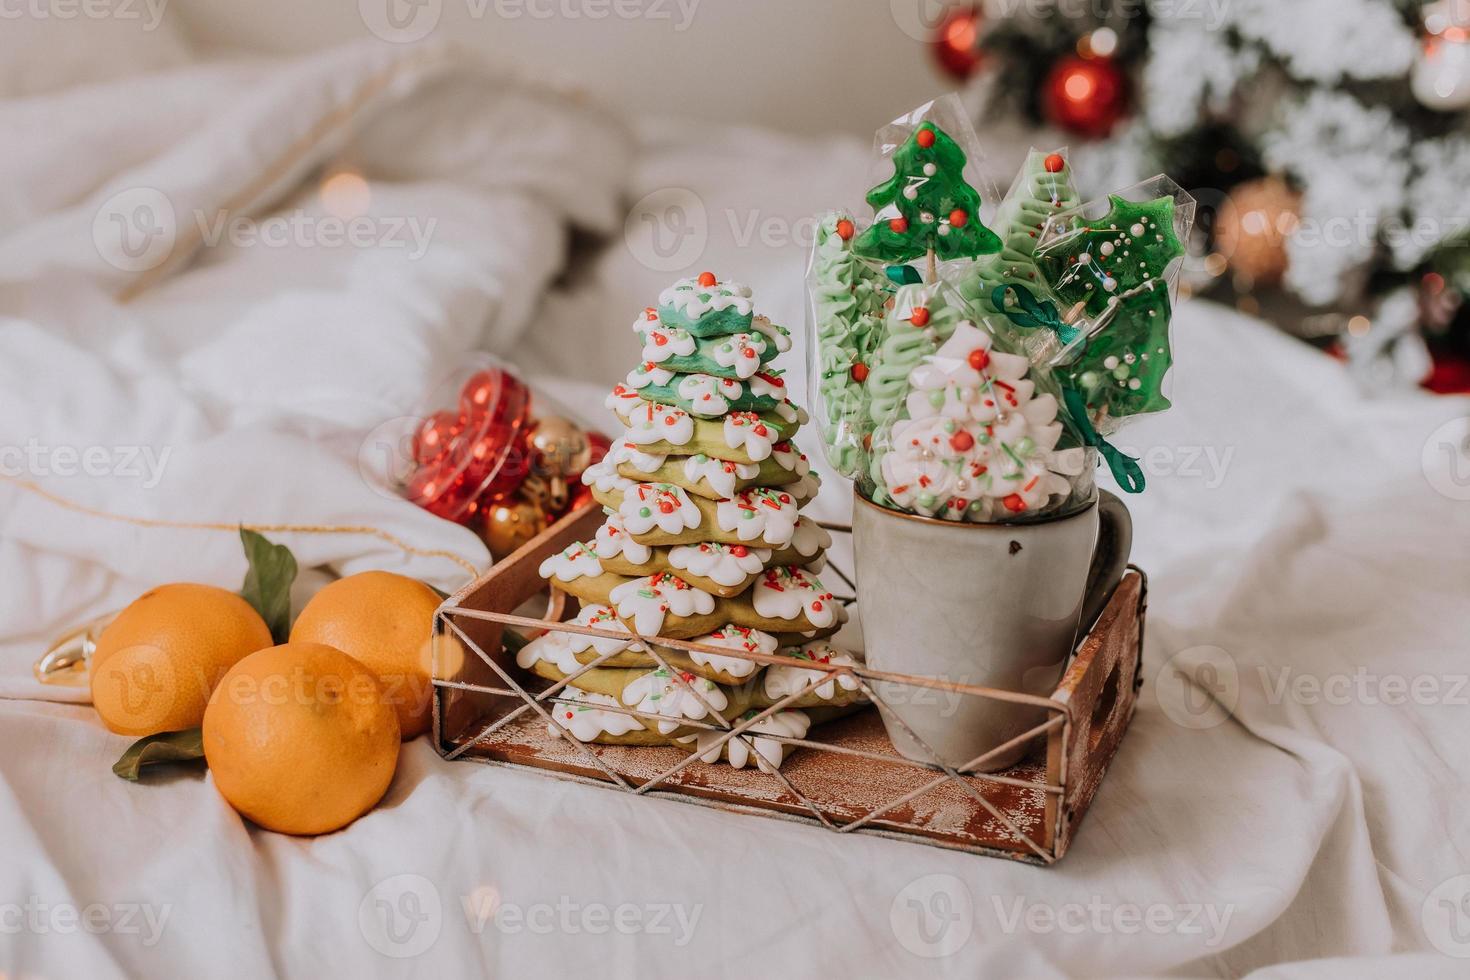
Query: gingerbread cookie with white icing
833, 690
708, 476
723, 570
760, 745
598, 718
739, 355
742, 437
705, 307
784, 601
707, 395
665, 514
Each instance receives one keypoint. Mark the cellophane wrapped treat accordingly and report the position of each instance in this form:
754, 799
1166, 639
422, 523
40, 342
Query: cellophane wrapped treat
969, 372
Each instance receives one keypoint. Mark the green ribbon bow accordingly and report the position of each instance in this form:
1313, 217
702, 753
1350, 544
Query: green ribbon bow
1031, 313
1125, 468
903, 275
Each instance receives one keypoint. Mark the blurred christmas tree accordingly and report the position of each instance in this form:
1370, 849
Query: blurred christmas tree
1327, 142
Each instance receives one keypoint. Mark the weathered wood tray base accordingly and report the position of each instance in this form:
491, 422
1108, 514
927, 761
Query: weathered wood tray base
861, 785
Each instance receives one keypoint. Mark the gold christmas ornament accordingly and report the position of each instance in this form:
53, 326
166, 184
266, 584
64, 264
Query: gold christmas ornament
1252, 229
511, 524
560, 447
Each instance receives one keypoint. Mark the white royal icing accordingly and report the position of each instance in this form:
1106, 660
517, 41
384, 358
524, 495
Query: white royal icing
694, 301
603, 618
791, 413
551, 648
741, 352
809, 537
777, 334
589, 715
782, 681
759, 514
720, 474
571, 564
623, 400
659, 693
708, 395
733, 638
613, 540
649, 373
788, 457
661, 343
767, 384
978, 441
748, 746
632, 454
647, 600
648, 316
646, 506
805, 488
649, 422
726, 564
789, 593
603, 475
749, 431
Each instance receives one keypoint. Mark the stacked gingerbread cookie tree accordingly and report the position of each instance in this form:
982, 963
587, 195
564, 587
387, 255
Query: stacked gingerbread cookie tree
703, 541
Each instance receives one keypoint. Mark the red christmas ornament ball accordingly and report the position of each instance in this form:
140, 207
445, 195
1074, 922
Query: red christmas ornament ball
1054, 163
962, 441
707, 279
1086, 96
956, 43
978, 359
925, 137
898, 225
435, 435
859, 372
920, 316
441, 490
497, 393
845, 229
958, 217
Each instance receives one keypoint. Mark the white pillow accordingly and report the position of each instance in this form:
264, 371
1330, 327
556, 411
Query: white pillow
47, 45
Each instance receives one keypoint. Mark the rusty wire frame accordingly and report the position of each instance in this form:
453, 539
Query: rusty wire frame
1058, 724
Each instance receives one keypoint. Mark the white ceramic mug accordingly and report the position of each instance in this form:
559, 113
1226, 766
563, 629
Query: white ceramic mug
991, 605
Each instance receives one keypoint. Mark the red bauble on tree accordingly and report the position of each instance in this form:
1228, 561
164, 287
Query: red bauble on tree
1086, 96
956, 43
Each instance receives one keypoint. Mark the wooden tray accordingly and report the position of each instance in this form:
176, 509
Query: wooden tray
845, 776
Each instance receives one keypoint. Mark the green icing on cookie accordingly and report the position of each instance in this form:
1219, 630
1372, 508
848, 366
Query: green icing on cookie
706, 307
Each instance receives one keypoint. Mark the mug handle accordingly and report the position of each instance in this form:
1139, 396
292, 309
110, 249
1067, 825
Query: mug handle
1109, 559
